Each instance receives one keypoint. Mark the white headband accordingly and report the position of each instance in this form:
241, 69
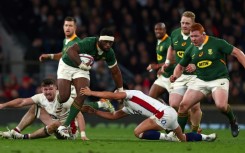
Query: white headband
108, 38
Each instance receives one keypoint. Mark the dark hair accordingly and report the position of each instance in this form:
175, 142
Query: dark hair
106, 32
69, 18
47, 82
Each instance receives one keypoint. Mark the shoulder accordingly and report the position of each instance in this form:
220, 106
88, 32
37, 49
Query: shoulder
176, 32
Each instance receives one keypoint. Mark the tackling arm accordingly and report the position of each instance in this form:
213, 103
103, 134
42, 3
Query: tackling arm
112, 116
239, 55
81, 125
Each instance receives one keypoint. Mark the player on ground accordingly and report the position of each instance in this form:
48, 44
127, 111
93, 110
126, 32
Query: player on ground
160, 116
162, 84
180, 40
209, 55
45, 107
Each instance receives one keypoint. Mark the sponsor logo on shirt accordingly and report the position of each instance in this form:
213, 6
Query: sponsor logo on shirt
210, 51
200, 54
183, 44
204, 63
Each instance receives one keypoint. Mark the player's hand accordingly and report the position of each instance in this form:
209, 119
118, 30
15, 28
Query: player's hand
152, 67
162, 69
84, 138
84, 66
85, 91
88, 109
1, 106
190, 68
172, 78
44, 57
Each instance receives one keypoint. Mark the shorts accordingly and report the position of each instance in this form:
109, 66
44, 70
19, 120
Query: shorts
163, 82
207, 87
167, 119
68, 72
181, 84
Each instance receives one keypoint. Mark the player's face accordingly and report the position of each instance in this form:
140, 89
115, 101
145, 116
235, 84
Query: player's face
197, 38
159, 31
186, 24
105, 45
69, 28
49, 92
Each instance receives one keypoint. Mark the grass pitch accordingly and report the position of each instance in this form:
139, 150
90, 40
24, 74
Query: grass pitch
120, 139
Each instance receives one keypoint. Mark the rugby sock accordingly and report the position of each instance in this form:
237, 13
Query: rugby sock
17, 129
194, 128
95, 105
74, 110
182, 120
193, 137
229, 113
151, 135
26, 136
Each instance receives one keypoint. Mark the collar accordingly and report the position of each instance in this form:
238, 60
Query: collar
205, 41
185, 37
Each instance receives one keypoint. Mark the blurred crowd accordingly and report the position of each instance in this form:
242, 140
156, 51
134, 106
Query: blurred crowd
133, 22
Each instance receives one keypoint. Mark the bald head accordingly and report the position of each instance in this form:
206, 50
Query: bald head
160, 30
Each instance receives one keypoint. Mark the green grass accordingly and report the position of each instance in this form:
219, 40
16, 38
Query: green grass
118, 139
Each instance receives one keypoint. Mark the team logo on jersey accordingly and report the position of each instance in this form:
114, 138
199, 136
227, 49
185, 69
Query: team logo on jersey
192, 57
183, 44
159, 57
204, 63
180, 54
176, 42
200, 54
210, 51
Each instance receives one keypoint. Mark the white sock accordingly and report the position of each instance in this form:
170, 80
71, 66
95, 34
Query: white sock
204, 137
162, 136
100, 104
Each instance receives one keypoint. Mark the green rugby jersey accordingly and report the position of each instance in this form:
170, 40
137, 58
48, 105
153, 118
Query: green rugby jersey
161, 50
89, 46
180, 43
210, 58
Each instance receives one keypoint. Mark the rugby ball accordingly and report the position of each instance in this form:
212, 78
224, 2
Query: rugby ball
87, 59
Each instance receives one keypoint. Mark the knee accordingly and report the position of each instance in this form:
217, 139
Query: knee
196, 108
183, 107
222, 107
137, 133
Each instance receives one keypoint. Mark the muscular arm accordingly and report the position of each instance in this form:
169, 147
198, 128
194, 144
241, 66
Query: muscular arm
17, 103
103, 94
239, 55
177, 72
117, 76
112, 116
171, 54
80, 121
73, 53
56, 56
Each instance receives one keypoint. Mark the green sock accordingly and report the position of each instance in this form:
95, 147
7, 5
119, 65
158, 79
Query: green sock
92, 104
182, 119
229, 113
73, 113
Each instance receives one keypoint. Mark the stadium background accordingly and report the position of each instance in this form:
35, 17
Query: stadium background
29, 28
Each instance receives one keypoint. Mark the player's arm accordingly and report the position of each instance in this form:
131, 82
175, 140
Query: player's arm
81, 125
170, 55
56, 56
103, 94
177, 72
239, 55
117, 77
108, 115
73, 53
17, 103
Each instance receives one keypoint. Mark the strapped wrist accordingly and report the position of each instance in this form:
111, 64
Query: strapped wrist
83, 134
51, 56
167, 61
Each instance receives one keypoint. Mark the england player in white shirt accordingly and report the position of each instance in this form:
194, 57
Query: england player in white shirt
159, 116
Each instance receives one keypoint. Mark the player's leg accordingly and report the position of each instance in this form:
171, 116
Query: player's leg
105, 104
45, 117
27, 119
220, 97
195, 117
190, 98
156, 91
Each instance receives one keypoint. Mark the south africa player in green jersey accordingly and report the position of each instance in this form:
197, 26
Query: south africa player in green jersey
162, 83
72, 70
180, 40
209, 55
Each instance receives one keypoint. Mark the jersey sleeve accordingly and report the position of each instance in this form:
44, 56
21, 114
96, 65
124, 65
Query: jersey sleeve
37, 98
225, 47
111, 58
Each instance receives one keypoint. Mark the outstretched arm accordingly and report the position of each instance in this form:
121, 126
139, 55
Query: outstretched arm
177, 72
17, 103
56, 56
108, 115
103, 94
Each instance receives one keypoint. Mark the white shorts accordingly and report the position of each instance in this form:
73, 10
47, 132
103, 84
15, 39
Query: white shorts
207, 87
163, 82
181, 84
166, 119
67, 72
